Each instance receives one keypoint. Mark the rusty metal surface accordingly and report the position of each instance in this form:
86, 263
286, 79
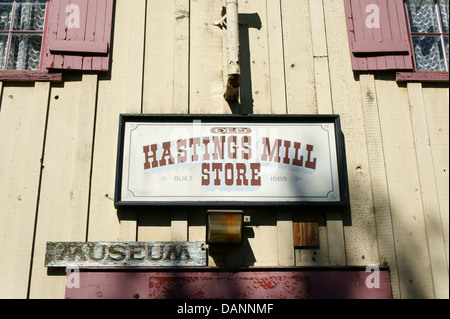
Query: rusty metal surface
214, 284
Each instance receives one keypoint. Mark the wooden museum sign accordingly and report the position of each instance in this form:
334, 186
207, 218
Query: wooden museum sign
122, 254
230, 160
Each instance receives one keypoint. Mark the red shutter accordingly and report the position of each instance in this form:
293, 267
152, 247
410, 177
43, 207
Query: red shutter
79, 35
378, 46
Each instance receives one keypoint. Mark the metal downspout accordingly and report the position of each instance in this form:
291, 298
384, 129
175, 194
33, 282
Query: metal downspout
234, 72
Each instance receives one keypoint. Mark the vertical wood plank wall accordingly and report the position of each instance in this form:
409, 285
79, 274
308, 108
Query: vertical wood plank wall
58, 145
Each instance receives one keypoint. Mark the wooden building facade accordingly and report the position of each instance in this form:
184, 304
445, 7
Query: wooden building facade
59, 132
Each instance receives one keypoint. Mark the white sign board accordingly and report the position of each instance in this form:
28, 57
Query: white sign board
215, 160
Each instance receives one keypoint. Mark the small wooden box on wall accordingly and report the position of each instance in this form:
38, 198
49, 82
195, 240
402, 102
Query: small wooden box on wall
306, 234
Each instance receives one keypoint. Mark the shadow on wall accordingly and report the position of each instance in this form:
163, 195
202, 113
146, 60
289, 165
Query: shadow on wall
245, 104
241, 255
159, 223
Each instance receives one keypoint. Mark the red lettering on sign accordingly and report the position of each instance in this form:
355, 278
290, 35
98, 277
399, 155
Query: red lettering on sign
151, 156
206, 156
230, 156
246, 145
256, 169
269, 153
241, 178
296, 161
181, 149
219, 144
232, 147
231, 174
231, 130
166, 154
310, 164
194, 143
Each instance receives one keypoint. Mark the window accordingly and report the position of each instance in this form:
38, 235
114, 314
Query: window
22, 25
41, 38
409, 37
378, 35
428, 24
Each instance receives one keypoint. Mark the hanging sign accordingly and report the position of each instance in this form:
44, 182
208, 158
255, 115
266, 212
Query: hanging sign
230, 160
140, 254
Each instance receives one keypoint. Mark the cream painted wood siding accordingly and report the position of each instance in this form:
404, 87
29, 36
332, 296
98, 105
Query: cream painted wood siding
58, 144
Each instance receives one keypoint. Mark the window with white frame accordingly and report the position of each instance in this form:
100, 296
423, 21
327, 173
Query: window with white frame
429, 24
22, 24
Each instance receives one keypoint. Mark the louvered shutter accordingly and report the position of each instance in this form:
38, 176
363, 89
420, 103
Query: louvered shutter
378, 35
78, 35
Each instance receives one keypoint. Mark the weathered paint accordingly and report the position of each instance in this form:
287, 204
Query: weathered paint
137, 254
237, 284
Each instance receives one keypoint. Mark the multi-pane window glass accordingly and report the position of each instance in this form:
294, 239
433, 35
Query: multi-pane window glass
21, 33
428, 21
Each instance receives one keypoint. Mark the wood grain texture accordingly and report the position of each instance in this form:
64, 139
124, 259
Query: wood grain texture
206, 85
285, 232
119, 93
429, 192
30, 77
320, 56
306, 234
65, 185
382, 209
404, 191
22, 129
422, 77
360, 237
298, 53
276, 57
437, 112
